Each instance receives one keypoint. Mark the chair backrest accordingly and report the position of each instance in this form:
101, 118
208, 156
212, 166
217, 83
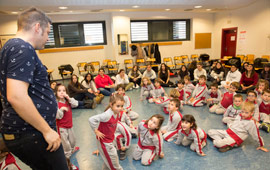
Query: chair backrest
266, 57
151, 59
128, 61
140, 60
250, 58
194, 57
167, 59
94, 66
112, 63
105, 62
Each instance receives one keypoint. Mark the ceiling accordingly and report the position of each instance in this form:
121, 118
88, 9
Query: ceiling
103, 6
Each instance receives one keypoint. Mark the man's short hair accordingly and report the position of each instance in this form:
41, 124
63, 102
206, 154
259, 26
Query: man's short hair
32, 16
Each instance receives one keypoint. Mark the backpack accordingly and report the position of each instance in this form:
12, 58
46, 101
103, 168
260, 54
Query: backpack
234, 61
204, 57
258, 62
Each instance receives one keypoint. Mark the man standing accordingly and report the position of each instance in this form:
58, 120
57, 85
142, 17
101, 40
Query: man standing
28, 120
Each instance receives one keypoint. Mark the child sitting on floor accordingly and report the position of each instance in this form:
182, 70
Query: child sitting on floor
260, 87
174, 122
150, 140
120, 89
158, 92
181, 90
190, 134
174, 94
264, 108
226, 101
188, 87
199, 92
146, 88
233, 110
239, 130
213, 95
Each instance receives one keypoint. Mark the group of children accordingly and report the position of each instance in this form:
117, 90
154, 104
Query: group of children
114, 128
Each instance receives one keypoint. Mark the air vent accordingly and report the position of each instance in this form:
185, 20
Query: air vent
96, 10
188, 9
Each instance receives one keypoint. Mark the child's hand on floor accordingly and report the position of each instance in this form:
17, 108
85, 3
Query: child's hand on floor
262, 148
99, 134
96, 152
161, 155
202, 154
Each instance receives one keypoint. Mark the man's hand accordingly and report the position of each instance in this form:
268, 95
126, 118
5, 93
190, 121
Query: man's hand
53, 140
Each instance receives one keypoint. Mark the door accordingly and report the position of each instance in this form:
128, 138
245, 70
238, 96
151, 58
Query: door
229, 39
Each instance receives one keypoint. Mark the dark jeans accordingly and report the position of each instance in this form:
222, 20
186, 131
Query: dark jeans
106, 91
138, 81
169, 84
82, 96
31, 149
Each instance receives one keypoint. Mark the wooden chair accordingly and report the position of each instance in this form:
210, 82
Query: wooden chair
141, 64
178, 61
112, 67
81, 68
128, 64
65, 70
94, 67
242, 57
250, 58
266, 57
194, 57
105, 64
168, 62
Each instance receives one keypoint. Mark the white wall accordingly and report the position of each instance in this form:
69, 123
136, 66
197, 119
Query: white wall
255, 20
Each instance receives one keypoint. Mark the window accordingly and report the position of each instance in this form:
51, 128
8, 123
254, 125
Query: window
139, 31
77, 34
93, 33
160, 30
50, 42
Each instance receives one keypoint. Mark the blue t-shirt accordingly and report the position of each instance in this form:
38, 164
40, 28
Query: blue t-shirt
18, 60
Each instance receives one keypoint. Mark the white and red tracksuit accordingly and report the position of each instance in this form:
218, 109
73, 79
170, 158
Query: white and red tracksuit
65, 125
127, 106
145, 91
172, 127
188, 89
9, 163
196, 138
225, 102
239, 130
264, 109
124, 118
157, 93
106, 123
149, 144
122, 136
198, 95
230, 114
215, 96
164, 102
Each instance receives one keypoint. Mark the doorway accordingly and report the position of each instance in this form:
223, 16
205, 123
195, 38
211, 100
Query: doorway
229, 40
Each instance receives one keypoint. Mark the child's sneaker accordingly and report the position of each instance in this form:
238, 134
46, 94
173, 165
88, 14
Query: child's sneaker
225, 149
265, 127
74, 167
122, 155
76, 149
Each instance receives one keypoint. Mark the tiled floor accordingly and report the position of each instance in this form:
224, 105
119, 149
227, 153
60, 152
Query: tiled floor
176, 157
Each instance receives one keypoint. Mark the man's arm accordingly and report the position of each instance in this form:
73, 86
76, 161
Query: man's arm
17, 96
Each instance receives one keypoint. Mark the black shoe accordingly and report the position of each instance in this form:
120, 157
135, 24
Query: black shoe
265, 127
122, 155
209, 137
133, 135
210, 105
225, 149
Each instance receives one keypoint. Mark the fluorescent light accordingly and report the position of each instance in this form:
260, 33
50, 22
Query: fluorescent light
62, 7
14, 12
167, 9
135, 6
208, 9
121, 10
198, 6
